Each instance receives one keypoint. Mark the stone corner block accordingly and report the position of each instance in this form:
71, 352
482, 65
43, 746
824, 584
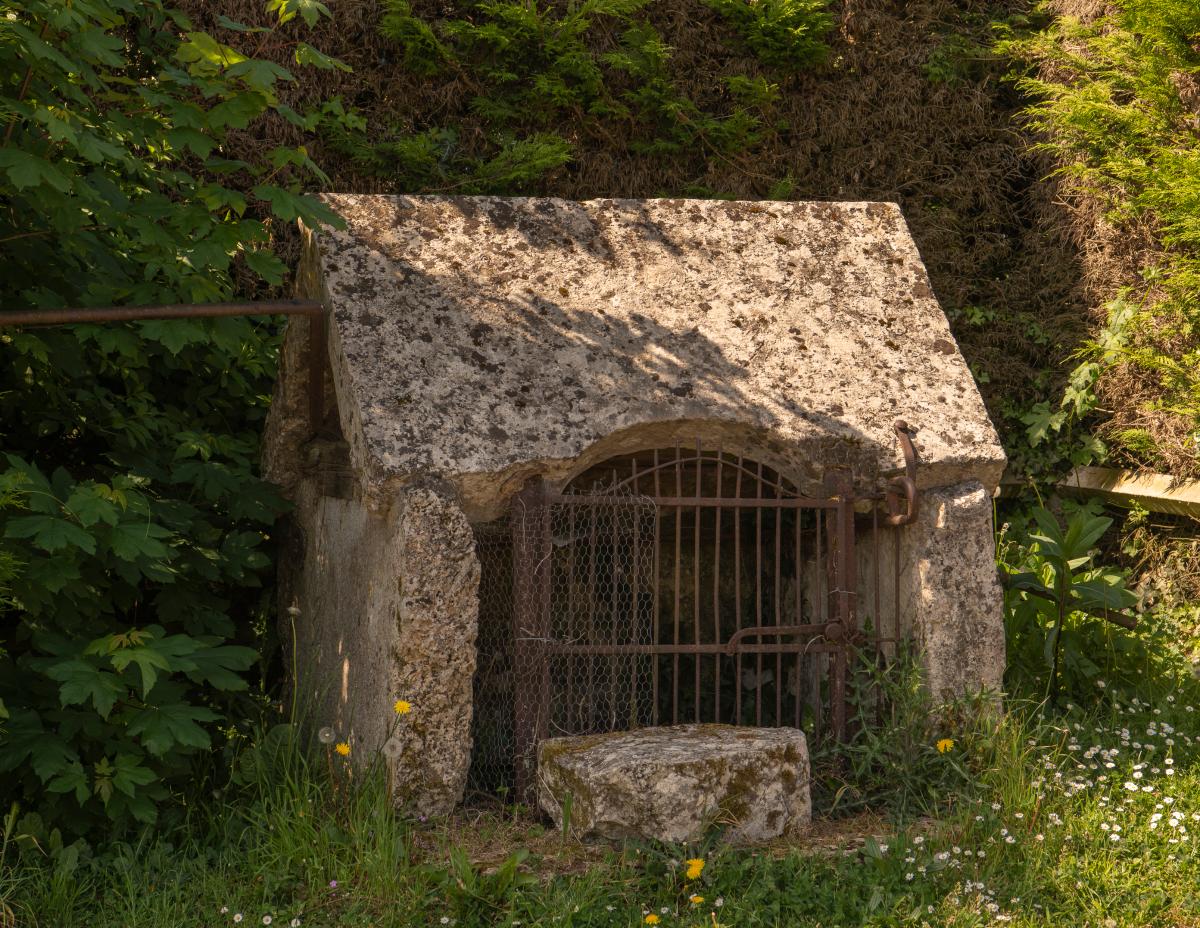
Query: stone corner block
673, 783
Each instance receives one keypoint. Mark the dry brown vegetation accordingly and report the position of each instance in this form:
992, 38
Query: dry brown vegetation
870, 124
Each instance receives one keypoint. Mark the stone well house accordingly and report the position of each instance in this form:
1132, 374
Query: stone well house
584, 466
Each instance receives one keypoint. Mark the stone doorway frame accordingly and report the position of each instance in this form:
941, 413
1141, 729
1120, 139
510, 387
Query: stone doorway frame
814, 654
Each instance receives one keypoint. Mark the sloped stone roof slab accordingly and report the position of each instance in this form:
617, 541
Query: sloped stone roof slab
483, 339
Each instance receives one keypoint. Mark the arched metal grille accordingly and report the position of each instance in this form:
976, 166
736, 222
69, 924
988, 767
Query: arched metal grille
669, 586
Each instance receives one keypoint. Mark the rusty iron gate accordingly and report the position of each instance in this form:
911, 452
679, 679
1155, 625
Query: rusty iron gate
687, 585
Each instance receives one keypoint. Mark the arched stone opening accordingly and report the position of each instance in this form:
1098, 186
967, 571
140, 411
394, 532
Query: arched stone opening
664, 586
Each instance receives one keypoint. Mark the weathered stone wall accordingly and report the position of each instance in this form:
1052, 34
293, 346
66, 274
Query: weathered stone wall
958, 606
388, 604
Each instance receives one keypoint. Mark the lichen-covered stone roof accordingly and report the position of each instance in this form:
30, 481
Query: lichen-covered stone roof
483, 336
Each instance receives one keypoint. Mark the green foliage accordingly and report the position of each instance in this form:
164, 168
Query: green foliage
891, 760
783, 33
1056, 596
1109, 104
536, 68
955, 60
1028, 842
475, 897
133, 529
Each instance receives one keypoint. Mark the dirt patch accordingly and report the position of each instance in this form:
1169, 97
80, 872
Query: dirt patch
491, 836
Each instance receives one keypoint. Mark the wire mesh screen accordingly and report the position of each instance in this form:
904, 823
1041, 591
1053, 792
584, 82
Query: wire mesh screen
564, 609
661, 588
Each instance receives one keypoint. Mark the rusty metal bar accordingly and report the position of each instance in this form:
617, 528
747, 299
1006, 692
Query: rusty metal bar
847, 596
532, 547
717, 589
905, 486
572, 621
807, 647
657, 568
737, 591
758, 662
696, 582
635, 596
778, 617
591, 615
678, 560
734, 644
614, 611
316, 311
689, 501
799, 555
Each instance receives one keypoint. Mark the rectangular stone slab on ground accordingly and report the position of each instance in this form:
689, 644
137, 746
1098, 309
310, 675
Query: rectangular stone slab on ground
674, 783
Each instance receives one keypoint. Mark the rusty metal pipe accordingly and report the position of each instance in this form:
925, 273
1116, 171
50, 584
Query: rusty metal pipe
84, 315
316, 311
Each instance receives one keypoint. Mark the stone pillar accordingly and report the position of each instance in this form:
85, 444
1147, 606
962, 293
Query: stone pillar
434, 655
387, 609
955, 604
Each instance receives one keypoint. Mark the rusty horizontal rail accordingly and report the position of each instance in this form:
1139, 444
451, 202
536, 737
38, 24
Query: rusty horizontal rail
607, 650
692, 502
89, 314
316, 311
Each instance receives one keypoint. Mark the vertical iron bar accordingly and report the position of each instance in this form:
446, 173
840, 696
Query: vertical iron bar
758, 658
778, 589
569, 661
696, 583
896, 538
678, 560
737, 592
821, 607
657, 568
720, 494
531, 613
614, 579
634, 612
799, 618
846, 593
592, 700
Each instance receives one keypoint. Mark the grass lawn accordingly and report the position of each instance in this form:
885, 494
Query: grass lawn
1085, 820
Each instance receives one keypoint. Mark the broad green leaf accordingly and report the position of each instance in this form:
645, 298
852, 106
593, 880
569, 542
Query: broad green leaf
261, 75
90, 505
50, 533
148, 659
130, 774
27, 170
163, 727
82, 681
74, 779
307, 55
175, 334
221, 666
133, 540
206, 55
310, 10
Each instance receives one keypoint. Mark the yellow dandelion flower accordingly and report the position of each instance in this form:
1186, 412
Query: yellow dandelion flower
695, 900
695, 866
652, 919
946, 744
342, 748
402, 707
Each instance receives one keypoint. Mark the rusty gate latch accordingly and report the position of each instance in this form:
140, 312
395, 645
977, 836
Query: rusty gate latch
904, 487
